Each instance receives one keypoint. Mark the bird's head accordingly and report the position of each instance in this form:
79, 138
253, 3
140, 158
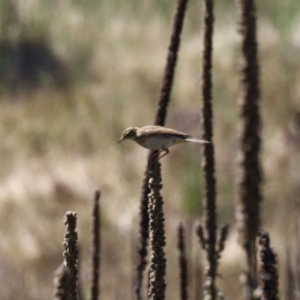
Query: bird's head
128, 134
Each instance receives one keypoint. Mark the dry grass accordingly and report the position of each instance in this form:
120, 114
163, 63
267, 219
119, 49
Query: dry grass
57, 146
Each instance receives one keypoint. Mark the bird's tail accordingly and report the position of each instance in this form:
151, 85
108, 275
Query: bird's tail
192, 140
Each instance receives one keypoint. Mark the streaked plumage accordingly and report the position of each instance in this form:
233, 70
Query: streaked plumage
157, 137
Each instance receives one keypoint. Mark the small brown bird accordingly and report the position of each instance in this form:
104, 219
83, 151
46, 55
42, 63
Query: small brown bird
158, 138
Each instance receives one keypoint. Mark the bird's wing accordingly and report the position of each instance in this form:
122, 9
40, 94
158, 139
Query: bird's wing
156, 130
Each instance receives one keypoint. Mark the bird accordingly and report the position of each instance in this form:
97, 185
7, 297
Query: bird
158, 138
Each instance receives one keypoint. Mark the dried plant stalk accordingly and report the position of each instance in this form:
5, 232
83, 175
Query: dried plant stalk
96, 247
268, 269
223, 232
167, 82
160, 118
157, 270
207, 231
71, 253
249, 178
61, 283
183, 265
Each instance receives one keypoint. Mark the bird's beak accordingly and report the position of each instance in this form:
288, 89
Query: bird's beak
120, 140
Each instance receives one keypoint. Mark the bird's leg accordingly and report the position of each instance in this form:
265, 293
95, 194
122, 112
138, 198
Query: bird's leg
166, 152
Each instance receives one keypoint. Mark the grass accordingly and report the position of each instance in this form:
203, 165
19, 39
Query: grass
58, 145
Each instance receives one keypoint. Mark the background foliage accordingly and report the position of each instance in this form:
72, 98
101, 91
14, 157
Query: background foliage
74, 74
